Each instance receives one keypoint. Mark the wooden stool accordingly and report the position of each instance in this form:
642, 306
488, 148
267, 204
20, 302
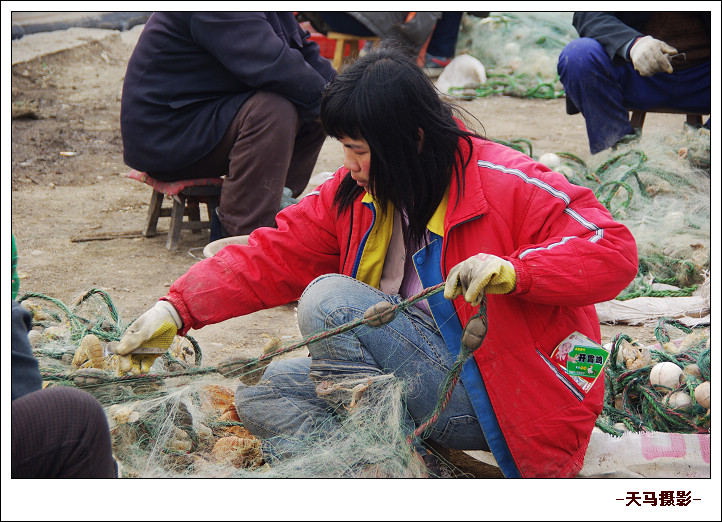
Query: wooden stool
354, 42
187, 196
637, 116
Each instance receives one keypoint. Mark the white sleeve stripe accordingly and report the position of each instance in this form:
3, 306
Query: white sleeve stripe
534, 181
551, 245
598, 232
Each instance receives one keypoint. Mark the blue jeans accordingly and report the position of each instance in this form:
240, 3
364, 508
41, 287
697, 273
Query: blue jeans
284, 408
604, 91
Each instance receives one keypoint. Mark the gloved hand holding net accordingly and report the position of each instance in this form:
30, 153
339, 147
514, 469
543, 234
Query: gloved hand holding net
147, 338
480, 274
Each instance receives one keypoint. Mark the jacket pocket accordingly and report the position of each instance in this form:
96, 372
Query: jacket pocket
565, 379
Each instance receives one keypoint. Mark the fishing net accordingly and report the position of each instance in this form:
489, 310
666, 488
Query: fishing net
191, 429
635, 400
180, 418
519, 52
659, 187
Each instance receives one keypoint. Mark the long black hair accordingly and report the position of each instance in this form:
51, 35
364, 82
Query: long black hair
386, 99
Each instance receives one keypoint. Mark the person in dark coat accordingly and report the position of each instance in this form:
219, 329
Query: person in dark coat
635, 60
234, 94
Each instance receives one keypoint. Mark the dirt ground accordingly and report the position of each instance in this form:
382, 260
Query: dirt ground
68, 183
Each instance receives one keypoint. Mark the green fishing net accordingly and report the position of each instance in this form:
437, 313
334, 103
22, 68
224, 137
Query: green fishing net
634, 401
659, 187
519, 51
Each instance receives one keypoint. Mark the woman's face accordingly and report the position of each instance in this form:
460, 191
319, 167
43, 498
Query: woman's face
357, 159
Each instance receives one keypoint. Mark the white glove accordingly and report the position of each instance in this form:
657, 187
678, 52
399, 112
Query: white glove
650, 56
157, 326
480, 274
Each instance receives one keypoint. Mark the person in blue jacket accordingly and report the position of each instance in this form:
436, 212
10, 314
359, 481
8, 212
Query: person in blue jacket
635, 60
234, 94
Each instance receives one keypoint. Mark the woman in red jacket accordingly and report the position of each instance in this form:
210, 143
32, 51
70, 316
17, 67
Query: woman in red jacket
421, 200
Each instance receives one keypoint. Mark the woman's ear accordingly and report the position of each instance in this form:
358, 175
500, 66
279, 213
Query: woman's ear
421, 139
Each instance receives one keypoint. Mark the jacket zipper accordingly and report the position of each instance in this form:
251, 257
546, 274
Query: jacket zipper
362, 244
445, 270
348, 243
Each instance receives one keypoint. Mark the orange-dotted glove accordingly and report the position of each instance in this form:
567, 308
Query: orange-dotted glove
480, 274
147, 338
650, 56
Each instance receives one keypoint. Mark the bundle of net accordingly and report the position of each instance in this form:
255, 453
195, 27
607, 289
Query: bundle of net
663, 387
180, 420
659, 187
194, 431
74, 344
519, 51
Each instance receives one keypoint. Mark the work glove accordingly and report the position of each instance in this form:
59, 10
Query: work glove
650, 56
480, 274
147, 338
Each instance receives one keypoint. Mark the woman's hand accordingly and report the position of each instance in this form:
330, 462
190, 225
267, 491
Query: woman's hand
480, 274
154, 332
156, 327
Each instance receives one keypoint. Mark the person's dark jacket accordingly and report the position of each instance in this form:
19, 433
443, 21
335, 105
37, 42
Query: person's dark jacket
613, 29
24, 371
190, 72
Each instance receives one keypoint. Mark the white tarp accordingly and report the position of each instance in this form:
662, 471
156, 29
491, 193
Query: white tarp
692, 310
650, 454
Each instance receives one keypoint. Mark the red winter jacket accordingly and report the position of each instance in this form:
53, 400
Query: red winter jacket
568, 253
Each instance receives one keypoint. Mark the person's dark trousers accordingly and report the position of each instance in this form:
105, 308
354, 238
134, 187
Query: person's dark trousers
266, 147
446, 33
60, 432
604, 91
341, 22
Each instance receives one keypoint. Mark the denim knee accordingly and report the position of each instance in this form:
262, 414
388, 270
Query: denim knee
328, 302
324, 295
